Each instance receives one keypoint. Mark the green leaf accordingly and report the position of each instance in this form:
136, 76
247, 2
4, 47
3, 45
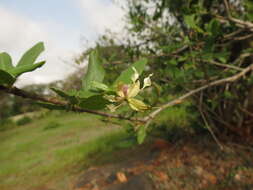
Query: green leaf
5, 61
199, 74
249, 9
51, 106
228, 95
31, 55
215, 27
173, 62
6, 78
17, 71
191, 22
83, 94
222, 56
125, 76
95, 71
68, 96
99, 86
96, 102
141, 134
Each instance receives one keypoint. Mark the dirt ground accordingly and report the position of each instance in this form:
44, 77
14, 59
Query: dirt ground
189, 164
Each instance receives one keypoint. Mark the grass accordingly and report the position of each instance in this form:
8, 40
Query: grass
53, 148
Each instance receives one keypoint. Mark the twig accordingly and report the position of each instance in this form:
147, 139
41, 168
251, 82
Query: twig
210, 129
241, 58
174, 53
246, 111
246, 24
241, 146
227, 8
223, 65
243, 37
214, 83
240, 23
231, 35
54, 101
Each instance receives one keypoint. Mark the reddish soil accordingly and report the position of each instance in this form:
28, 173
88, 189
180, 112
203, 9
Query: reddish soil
193, 164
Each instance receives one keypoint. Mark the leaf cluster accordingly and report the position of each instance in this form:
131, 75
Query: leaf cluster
9, 73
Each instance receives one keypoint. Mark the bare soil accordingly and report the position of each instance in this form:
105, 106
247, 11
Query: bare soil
189, 164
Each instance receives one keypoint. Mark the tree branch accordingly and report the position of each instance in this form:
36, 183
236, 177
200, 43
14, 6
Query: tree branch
147, 119
18, 92
197, 90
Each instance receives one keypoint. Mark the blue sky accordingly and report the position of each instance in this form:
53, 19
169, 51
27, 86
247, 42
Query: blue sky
65, 12
58, 23
61, 10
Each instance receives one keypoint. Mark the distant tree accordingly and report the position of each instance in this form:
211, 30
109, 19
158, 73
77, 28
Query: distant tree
5, 105
191, 44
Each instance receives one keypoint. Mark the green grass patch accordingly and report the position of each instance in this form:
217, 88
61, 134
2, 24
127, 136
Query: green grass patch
41, 152
175, 122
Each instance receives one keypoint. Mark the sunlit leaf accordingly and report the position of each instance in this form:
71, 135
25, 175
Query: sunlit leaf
126, 76
99, 86
141, 134
17, 71
5, 61
85, 94
95, 72
31, 55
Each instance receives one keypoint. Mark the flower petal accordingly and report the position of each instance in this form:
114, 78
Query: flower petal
111, 107
134, 89
135, 76
137, 105
120, 93
147, 81
110, 98
122, 90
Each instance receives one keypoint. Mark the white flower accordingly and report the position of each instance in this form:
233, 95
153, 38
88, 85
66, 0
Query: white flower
128, 92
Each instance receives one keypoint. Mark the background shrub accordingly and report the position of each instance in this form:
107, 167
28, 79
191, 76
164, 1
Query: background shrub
6, 124
24, 120
52, 125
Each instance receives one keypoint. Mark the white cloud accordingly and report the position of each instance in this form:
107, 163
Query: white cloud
19, 33
101, 15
